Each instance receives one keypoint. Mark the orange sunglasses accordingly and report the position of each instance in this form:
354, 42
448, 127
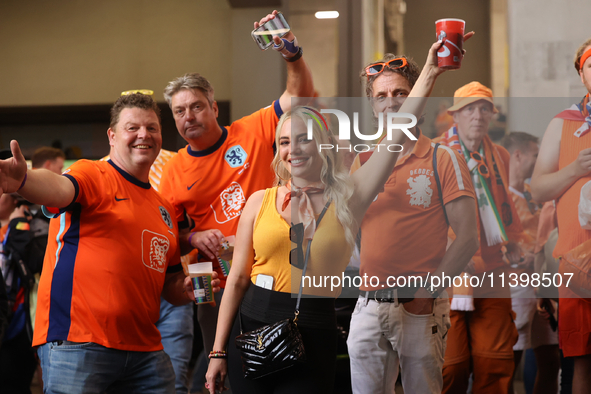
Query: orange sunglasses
376, 68
482, 168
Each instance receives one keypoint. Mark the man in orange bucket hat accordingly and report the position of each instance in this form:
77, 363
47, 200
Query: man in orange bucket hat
483, 333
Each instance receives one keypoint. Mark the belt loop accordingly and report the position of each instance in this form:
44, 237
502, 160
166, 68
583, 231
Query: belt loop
365, 296
395, 294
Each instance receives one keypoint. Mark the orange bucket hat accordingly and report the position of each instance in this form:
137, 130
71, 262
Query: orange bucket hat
467, 94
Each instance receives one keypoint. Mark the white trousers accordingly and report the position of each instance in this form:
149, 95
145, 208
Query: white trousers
385, 337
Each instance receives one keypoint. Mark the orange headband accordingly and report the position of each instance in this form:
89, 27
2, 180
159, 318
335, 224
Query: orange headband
584, 57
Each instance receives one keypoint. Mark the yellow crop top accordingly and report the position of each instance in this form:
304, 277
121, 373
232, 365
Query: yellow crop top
329, 256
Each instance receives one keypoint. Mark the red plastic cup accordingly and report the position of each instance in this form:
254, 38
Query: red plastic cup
451, 32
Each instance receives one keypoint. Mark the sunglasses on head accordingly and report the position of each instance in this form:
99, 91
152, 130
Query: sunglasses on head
376, 68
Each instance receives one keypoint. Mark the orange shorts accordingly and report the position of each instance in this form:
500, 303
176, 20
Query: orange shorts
574, 324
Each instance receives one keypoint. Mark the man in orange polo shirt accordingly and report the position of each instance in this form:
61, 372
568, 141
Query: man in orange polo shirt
562, 168
482, 331
393, 326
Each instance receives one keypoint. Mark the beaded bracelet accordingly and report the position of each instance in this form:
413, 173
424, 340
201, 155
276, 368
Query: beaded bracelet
218, 354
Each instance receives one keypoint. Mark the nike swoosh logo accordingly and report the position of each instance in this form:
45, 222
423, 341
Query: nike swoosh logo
190, 187
120, 199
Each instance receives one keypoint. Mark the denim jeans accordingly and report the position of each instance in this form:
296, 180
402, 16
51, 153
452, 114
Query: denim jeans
176, 329
72, 368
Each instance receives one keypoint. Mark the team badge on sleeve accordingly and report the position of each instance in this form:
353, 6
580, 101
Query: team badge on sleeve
165, 216
235, 156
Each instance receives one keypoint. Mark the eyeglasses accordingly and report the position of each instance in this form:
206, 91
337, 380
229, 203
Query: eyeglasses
482, 168
394, 64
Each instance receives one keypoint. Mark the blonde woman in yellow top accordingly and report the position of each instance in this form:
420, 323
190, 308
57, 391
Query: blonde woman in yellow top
308, 178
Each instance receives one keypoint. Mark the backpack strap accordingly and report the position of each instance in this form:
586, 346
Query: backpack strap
438, 180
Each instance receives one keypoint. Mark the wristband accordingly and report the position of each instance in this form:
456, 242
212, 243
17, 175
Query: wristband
295, 57
190, 238
23, 184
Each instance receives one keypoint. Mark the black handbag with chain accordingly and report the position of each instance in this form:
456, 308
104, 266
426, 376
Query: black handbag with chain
276, 346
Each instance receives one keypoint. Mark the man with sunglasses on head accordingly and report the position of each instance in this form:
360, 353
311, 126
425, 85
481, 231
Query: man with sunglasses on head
397, 325
209, 181
482, 331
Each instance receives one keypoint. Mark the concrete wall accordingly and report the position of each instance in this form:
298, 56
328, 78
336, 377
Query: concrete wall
319, 39
543, 37
257, 77
82, 52
419, 34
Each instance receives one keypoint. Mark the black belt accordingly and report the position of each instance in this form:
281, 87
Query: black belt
403, 295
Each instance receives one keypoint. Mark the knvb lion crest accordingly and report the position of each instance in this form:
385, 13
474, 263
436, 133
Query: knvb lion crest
235, 156
420, 191
154, 250
233, 200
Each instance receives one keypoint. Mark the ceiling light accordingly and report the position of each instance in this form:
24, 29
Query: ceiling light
327, 14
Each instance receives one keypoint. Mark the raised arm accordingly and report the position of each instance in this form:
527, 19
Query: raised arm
236, 285
299, 76
299, 84
548, 182
41, 186
371, 177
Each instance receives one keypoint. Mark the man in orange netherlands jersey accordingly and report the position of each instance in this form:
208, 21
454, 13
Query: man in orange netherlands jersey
176, 321
393, 326
562, 168
534, 330
482, 332
113, 250
210, 179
